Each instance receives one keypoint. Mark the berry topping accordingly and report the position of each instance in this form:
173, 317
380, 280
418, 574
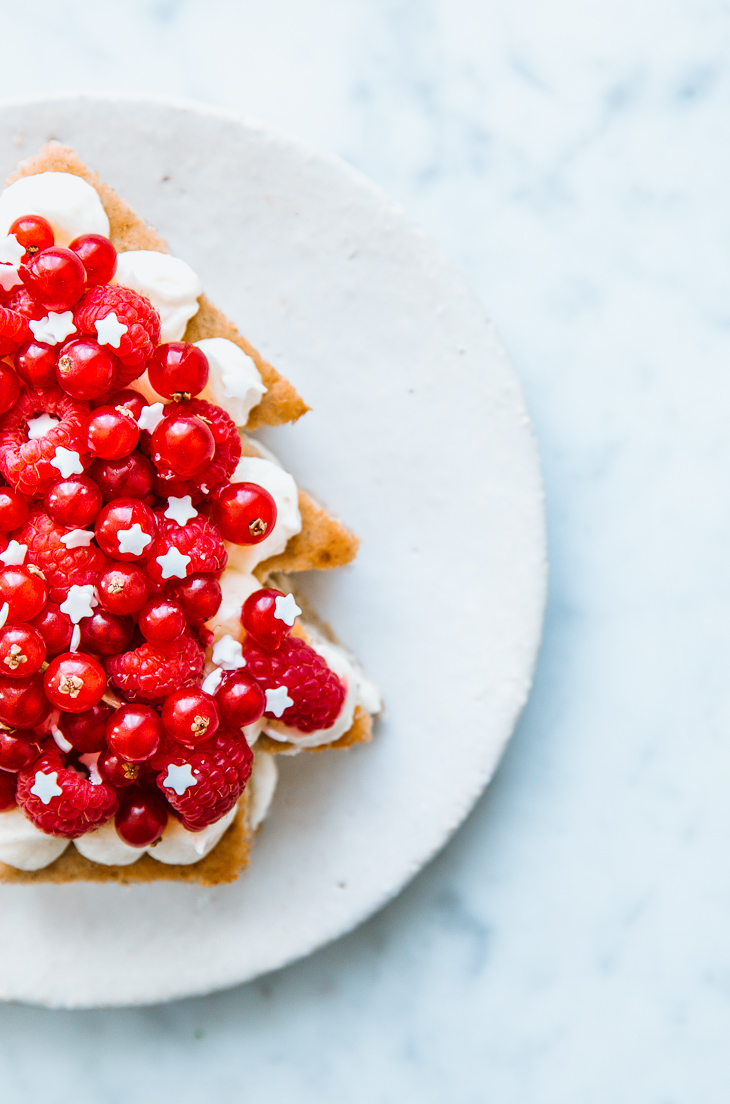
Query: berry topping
301, 690
23, 590
268, 616
73, 502
55, 627
63, 565
7, 790
23, 703
245, 513
33, 232
227, 452
17, 749
9, 388
98, 256
31, 465
130, 477
86, 732
55, 277
161, 621
198, 595
105, 633
119, 772
133, 732
190, 716
123, 588
178, 371
13, 510
22, 650
203, 785
35, 364
240, 699
198, 541
74, 682
152, 671
14, 332
84, 369
113, 432
182, 444
61, 801
125, 529
24, 303
142, 816
136, 345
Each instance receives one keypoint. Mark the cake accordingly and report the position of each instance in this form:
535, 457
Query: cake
155, 656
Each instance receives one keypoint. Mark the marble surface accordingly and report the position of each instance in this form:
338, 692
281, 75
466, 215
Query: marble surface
571, 943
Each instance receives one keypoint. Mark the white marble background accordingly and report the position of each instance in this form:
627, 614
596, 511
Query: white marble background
572, 943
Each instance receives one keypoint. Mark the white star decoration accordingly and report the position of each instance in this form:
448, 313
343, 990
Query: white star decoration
67, 461
212, 681
173, 564
78, 538
110, 330
38, 427
277, 700
14, 554
11, 251
180, 510
133, 540
179, 779
9, 277
286, 610
45, 786
151, 417
79, 602
54, 328
227, 653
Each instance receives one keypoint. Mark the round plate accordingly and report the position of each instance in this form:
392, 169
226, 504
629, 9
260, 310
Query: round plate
419, 440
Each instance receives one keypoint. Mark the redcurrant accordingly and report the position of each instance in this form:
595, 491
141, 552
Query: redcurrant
141, 817
23, 590
74, 682
22, 650
245, 513
87, 731
55, 628
98, 256
259, 618
134, 732
161, 621
34, 233
84, 369
178, 371
73, 502
23, 703
183, 443
18, 749
190, 716
35, 363
118, 771
130, 400
13, 510
8, 784
113, 432
126, 529
9, 388
55, 277
123, 588
241, 700
130, 477
105, 633
199, 595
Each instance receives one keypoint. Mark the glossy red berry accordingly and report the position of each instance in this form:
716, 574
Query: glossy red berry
74, 502
13, 510
87, 731
7, 790
106, 633
23, 590
184, 443
126, 529
98, 256
123, 588
113, 768
18, 749
161, 621
55, 277
22, 650
266, 621
134, 732
113, 432
84, 369
190, 716
23, 702
130, 400
14, 331
241, 701
199, 596
141, 817
130, 477
55, 628
178, 371
9, 388
35, 364
74, 682
245, 513
34, 233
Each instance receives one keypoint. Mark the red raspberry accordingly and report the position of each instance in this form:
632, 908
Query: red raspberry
14, 331
227, 453
316, 690
138, 344
221, 769
151, 672
27, 464
78, 809
23, 302
199, 540
62, 567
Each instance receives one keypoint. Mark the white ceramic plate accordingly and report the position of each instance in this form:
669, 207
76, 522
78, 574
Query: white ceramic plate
420, 441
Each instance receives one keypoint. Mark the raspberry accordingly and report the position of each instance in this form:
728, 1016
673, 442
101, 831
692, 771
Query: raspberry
79, 808
62, 567
199, 540
227, 453
27, 464
221, 769
14, 331
138, 344
315, 690
151, 672
24, 303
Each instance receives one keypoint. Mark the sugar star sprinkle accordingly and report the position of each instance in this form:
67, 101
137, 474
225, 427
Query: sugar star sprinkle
151, 417
9, 277
174, 564
110, 330
278, 700
54, 328
180, 510
67, 461
227, 653
286, 610
11, 251
14, 554
212, 682
77, 538
79, 602
38, 427
179, 778
133, 540
46, 786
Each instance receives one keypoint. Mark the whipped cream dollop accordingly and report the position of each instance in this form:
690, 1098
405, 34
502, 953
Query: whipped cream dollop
71, 205
234, 381
24, 846
170, 284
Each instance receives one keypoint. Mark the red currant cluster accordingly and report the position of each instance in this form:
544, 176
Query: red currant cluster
102, 629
